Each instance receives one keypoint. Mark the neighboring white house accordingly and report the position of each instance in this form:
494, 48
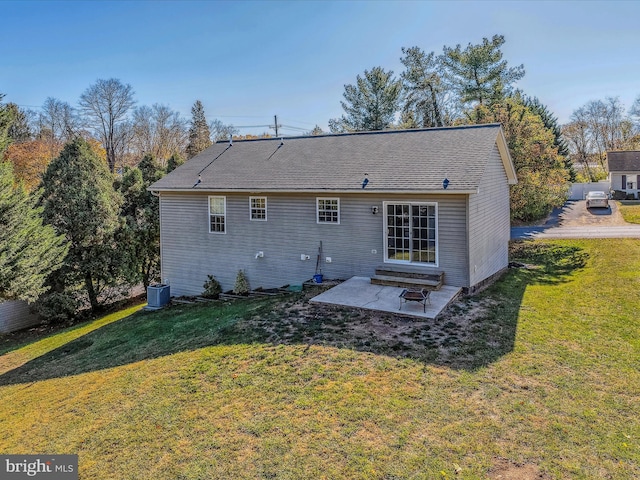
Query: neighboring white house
624, 171
434, 199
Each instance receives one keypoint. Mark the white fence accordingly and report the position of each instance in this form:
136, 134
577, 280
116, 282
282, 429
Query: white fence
15, 315
579, 190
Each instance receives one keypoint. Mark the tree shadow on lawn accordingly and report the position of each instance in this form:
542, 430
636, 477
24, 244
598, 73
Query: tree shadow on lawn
471, 333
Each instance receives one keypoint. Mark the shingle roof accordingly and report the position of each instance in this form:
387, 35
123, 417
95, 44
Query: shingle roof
394, 160
628, 161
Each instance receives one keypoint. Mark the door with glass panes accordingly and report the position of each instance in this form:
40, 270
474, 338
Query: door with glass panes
410, 233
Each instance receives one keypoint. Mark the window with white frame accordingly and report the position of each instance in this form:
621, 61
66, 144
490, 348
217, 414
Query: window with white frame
258, 209
217, 214
328, 210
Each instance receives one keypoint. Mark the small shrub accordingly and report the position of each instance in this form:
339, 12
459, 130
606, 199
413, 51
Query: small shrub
619, 195
212, 288
57, 307
241, 286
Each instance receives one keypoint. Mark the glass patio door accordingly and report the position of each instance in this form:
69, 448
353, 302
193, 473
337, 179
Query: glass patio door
411, 234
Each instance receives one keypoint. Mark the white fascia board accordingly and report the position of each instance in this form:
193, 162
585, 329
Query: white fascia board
323, 191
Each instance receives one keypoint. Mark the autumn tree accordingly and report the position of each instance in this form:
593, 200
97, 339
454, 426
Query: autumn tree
551, 122
370, 104
315, 131
29, 250
478, 74
80, 203
543, 181
199, 133
30, 160
105, 106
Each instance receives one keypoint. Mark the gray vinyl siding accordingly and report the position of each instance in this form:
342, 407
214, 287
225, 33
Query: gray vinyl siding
190, 253
489, 223
616, 180
15, 315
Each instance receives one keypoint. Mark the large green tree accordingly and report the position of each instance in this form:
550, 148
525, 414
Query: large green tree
478, 74
29, 250
199, 133
80, 203
6, 121
424, 92
139, 237
19, 130
174, 162
370, 104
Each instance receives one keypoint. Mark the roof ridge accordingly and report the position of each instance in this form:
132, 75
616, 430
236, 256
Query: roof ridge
368, 132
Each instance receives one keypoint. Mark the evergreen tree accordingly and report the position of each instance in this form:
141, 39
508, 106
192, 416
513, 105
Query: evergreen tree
29, 250
478, 74
551, 122
6, 121
80, 202
174, 162
370, 104
199, 134
20, 130
139, 237
424, 91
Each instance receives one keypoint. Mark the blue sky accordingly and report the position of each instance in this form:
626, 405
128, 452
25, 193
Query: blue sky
247, 61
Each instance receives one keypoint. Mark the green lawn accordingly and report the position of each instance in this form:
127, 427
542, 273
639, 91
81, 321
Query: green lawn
630, 210
539, 375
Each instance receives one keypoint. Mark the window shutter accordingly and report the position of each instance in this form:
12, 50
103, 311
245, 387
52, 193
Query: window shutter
624, 182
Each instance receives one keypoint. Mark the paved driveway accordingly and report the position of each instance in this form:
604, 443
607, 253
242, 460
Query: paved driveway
574, 220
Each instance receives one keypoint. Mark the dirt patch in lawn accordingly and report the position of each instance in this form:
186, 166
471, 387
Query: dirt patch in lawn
462, 336
505, 470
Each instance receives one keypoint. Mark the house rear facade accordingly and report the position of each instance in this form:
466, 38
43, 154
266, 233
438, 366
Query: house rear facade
432, 199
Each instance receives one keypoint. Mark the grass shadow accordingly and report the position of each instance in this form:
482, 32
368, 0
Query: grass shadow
472, 333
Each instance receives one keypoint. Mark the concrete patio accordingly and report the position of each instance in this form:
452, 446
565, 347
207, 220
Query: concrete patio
358, 292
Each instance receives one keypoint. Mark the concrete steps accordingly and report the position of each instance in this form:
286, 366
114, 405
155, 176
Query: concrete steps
408, 277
